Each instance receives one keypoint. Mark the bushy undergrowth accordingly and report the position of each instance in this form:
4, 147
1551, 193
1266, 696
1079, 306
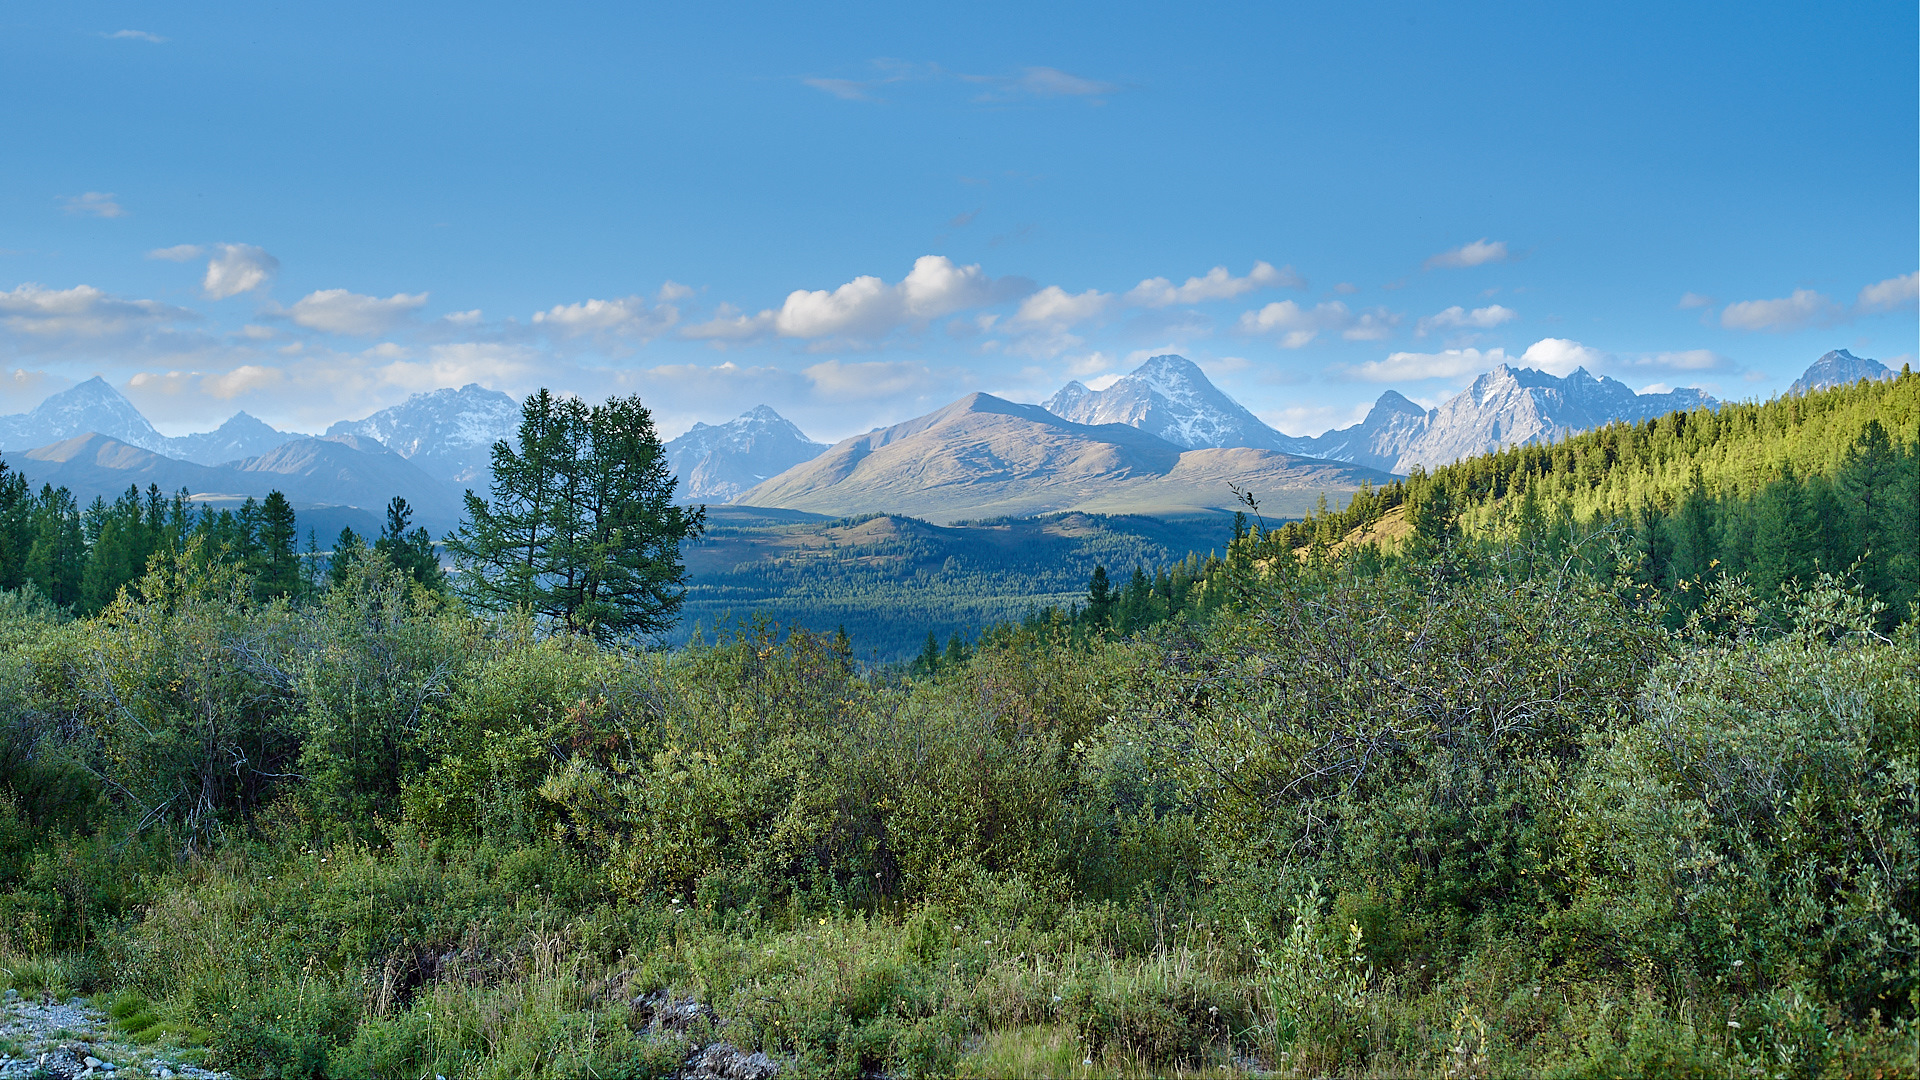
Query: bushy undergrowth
1448, 818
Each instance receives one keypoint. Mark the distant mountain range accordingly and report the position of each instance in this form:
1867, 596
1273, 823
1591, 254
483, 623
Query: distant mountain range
1161, 439
1507, 406
984, 457
716, 462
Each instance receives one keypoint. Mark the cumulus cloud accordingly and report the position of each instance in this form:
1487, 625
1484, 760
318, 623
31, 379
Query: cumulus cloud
82, 311
867, 308
1694, 300
1296, 325
178, 253
869, 380
135, 35
1375, 325
237, 268
1475, 254
1411, 366
1892, 294
337, 311
628, 317
1560, 356
93, 203
244, 379
459, 363
1054, 306
1779, 316
1459, 318
1219, 284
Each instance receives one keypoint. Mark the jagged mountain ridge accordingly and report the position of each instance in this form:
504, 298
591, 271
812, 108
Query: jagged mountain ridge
1838, 368
716, 462
1170, 397
983, 456
447, 433
95, 406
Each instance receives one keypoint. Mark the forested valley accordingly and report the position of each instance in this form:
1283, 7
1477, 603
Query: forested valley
1594, 759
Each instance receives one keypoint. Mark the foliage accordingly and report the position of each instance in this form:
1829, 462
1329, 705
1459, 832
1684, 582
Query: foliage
581, 528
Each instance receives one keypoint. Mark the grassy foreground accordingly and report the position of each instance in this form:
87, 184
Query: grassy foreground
1376, 817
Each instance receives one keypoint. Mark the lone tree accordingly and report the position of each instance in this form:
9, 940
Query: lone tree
582, 528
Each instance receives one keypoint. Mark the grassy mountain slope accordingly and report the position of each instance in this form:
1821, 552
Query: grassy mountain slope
982, 456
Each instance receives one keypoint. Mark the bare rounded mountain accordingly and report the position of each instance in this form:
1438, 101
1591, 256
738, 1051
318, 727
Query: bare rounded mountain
983, 456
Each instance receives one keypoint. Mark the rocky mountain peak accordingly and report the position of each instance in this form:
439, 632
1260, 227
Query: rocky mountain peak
1838, 368
715, 462
1170, 397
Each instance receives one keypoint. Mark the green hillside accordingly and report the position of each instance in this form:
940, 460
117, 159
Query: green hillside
890, 580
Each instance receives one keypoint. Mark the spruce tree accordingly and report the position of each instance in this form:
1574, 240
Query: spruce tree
581, 528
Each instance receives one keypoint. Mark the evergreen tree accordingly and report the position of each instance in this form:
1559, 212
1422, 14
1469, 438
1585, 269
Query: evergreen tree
409, 551
1100, 599
278, 561
581, 528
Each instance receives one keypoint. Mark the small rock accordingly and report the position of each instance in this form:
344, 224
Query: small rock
723, 1062
93, 1062
164, 1073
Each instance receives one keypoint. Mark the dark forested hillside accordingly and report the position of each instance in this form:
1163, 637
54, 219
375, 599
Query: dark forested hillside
889, 581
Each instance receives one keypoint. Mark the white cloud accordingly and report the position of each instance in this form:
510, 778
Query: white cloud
1054, 82
95, 203
1219, 284
1685, 360
1055, 307
135, 35
626, 317
1346, 288
237, 268
1694, 300
243, 379
21, 389
337, 311
82, 311
673, 292
1375, 325
463, 318
1310, 420
1892, 294
1781, 315
1459, 318
1410, 366
459, 363
867, 308
1296, 325
728, 324
1559, 356
178, 253
1475, 254
868, 380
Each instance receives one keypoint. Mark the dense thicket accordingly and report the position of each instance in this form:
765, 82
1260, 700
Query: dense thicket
1481, 803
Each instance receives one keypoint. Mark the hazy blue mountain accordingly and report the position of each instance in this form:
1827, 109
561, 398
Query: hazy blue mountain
716, 462
1838, 368
447, 433
242, 436
1376, 442
91, 406
1170, 397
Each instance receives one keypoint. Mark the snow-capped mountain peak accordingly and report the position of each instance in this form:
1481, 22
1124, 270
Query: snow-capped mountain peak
1170, 397
448, 433
716, 462
1838, 368
91, 406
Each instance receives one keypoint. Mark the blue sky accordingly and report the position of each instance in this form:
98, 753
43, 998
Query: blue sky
856, 215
